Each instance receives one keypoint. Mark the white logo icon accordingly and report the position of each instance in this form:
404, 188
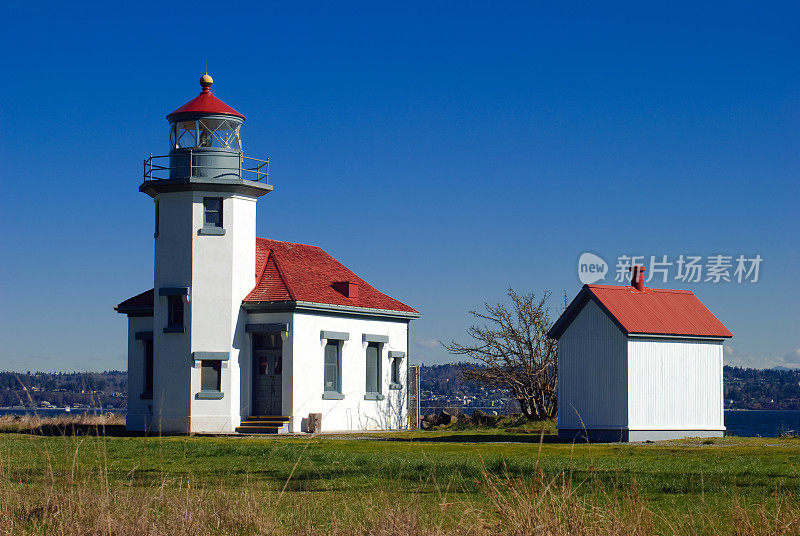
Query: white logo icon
591, 268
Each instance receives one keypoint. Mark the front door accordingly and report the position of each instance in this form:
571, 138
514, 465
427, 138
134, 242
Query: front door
267, 374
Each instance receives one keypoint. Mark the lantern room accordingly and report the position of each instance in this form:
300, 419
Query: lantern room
205, 143
205, 121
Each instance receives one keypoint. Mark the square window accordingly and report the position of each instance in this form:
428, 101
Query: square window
211, 375
212, 212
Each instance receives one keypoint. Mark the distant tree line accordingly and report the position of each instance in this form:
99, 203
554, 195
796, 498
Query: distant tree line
92, 389
745, 388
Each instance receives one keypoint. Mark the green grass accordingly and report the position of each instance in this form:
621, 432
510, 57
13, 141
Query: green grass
674, 478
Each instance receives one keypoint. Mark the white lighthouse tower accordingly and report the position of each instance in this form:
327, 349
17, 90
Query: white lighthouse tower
251, 335
205, 247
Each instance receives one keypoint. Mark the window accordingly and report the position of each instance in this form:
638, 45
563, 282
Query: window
212, 212
148, 369
373, 368
333, 367
211, 375
175, 312
396, 361
155, 235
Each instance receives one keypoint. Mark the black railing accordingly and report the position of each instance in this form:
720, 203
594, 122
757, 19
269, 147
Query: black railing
249, 168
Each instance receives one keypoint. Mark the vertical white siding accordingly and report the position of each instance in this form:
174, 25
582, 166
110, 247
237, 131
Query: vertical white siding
675, 384
592, 373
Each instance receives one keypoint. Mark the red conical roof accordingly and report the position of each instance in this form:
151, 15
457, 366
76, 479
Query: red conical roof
205, 103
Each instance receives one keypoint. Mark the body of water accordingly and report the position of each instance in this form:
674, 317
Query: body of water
763, 423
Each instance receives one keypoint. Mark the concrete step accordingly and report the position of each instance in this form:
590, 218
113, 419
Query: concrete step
257, 429
262, 424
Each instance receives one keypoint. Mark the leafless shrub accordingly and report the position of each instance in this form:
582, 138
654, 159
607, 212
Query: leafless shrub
513, 353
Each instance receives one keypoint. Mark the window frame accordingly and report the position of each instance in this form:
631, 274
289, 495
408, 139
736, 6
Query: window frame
148, 367
397, 362
336, 391
207, 211
175, 322
210, 391
378, 369
158, 216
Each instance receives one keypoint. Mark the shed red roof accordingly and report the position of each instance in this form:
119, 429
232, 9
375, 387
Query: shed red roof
651, 311
298, 272
205, 103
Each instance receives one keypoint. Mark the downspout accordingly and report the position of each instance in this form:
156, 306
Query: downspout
408, 369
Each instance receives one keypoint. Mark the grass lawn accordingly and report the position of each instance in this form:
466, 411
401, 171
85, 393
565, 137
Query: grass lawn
435, 473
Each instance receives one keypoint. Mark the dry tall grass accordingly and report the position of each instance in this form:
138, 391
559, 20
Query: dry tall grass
64, 424
84, 501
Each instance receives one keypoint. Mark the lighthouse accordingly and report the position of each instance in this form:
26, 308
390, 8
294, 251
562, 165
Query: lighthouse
251, 335
205, 245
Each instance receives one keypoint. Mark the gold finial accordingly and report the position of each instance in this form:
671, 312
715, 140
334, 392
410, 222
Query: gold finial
206, 80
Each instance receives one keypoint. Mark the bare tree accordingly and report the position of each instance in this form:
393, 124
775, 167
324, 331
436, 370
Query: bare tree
514, 354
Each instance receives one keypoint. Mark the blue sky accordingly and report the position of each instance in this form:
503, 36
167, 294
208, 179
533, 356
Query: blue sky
443, 151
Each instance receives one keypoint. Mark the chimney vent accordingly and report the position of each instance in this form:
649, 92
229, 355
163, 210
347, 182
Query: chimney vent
348, 289
637, 277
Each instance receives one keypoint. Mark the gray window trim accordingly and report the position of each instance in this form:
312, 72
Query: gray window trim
211, 356
209, 395
374, 396
155, 233
335, 335
395, 353
173, 291
395, 386
211, 231
266, 328
367, 337
143, 335
331, 395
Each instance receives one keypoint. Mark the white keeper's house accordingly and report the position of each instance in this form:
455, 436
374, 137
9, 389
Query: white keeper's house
638, 363
248, 334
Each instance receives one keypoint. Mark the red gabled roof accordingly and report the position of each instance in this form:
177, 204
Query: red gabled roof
298, 272
651, 311
205, 103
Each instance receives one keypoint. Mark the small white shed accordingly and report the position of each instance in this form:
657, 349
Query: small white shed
637, 364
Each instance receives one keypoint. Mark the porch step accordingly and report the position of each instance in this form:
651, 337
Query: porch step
262, 424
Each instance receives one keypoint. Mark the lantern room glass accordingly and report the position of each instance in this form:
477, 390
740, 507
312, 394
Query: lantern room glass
207, 132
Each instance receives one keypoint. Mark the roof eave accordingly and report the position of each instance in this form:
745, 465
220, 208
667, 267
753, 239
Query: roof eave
295, 305
134, 310
642, 335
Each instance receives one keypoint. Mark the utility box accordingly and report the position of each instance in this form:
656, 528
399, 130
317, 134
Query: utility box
314, 425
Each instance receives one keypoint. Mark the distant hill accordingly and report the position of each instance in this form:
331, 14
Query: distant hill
744, 388
441, 387
58, 389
